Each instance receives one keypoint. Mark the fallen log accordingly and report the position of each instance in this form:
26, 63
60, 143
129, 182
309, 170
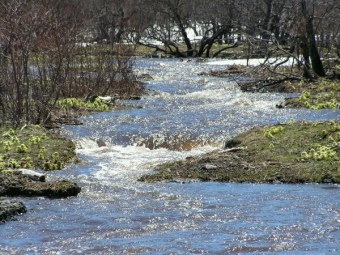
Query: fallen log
30, 174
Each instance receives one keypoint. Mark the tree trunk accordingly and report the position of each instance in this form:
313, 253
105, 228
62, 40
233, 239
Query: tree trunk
184, 34
186, 40
207, 43
265, 33
203, 45
210, 44
306, 58
3, 74
313, 50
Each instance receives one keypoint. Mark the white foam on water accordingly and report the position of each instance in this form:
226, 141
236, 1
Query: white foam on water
213, 94
127, 163
220, 97
87, 144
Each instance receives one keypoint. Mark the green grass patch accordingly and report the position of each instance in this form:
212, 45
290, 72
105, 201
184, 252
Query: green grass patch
323, 94
76, 103
34, 148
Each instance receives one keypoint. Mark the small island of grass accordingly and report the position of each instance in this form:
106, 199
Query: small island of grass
285, 153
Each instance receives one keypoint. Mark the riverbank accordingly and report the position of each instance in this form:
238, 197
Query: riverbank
26, 156
285, 153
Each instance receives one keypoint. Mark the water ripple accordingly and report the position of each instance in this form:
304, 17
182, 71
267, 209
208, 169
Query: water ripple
184, 115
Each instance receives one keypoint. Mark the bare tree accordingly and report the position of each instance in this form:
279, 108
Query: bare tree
41, 61
220, 19
176, 18
114, 20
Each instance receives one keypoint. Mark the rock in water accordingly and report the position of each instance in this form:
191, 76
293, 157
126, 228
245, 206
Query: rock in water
10, 208
55, 189
21, 185
101, 143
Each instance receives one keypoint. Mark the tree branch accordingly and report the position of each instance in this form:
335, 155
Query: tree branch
235, 45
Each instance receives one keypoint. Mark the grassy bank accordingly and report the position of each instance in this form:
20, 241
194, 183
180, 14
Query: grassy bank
33, 147
285, 153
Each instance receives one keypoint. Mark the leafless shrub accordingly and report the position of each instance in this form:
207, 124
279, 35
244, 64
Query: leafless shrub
41, 63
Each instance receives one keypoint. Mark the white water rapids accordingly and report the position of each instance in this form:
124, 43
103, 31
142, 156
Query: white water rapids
185, 114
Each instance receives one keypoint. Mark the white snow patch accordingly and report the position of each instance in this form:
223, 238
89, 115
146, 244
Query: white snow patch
251, 62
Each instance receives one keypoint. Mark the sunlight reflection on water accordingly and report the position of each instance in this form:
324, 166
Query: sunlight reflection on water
115, 214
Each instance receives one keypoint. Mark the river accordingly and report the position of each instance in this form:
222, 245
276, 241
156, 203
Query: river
185, 114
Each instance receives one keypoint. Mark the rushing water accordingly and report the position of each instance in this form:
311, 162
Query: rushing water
185, 114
